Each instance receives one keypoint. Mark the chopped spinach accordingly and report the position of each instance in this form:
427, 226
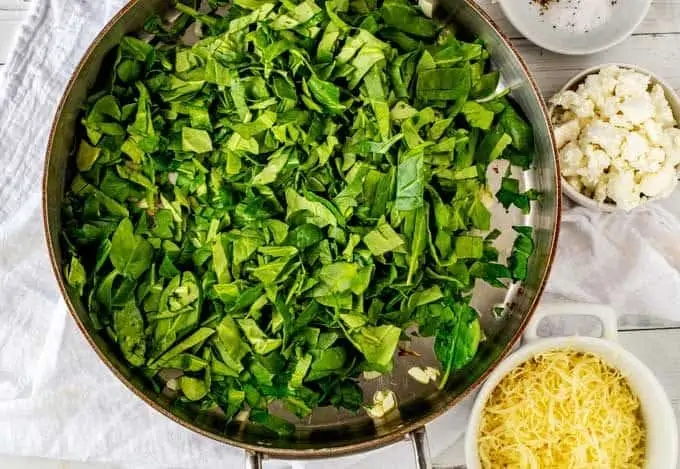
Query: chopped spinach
269, 209
457, 338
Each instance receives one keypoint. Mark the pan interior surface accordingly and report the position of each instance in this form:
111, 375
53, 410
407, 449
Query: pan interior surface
329, 431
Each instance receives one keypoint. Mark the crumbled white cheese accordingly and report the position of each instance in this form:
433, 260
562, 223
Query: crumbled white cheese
659, 183
637, 109
575, 182
630, 83
571, 158
671, 145
600, 192
603, 134
635, 149
653, 131
582, 107
622, 189
567, 132
617, 137
662, 109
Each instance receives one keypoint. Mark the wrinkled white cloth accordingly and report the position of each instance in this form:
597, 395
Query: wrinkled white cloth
629, 261
58, 400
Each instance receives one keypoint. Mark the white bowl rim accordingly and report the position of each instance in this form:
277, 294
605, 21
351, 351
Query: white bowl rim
671, 95
590, 344
614, 41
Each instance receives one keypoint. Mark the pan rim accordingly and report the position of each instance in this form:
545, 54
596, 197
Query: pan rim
308, 453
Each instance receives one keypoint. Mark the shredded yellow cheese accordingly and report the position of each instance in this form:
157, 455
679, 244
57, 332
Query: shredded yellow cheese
562, 409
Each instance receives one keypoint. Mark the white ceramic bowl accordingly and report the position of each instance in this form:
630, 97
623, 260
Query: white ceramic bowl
662, 431
672, 97
537, 24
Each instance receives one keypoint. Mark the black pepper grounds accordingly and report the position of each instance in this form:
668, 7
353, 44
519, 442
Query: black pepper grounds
545, 3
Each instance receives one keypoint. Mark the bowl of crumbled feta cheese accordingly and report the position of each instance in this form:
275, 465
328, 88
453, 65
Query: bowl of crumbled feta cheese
616, 127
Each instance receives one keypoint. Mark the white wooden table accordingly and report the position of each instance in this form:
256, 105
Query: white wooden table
655, 46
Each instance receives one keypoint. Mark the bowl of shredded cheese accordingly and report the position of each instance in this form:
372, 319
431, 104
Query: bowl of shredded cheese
572, 402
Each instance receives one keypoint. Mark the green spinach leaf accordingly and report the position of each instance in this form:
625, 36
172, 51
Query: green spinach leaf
130, 254
457, 340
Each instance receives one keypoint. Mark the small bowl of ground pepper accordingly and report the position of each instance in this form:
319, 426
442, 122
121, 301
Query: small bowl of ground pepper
576, 27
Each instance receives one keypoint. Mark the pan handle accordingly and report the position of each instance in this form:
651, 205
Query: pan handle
418, 438
605, 314
421, 448
254, 460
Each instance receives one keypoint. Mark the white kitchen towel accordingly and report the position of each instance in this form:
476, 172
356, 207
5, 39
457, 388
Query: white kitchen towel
57, 400
630, 261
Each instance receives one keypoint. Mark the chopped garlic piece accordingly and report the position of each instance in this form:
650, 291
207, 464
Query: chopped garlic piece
424, 376
242, 416
172, 384
384, 402
369, 375
427, 7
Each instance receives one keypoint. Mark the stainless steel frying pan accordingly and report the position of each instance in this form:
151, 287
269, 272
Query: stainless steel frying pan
329, 432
